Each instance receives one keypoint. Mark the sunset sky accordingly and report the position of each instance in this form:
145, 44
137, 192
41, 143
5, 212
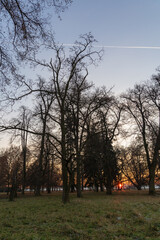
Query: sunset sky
129, 31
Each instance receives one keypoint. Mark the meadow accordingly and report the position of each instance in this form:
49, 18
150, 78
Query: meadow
124, 215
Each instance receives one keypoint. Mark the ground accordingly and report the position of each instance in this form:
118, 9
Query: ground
124, 215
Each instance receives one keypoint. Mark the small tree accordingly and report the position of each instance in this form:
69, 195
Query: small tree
13, 159
133, 165
3, 171
93, 159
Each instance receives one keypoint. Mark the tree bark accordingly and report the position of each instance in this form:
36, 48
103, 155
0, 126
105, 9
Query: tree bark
109, 185
151, 180
79, 194
109, 190
24, 170
65, 195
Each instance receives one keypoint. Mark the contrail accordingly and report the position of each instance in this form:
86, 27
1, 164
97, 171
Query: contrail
130, 47
120, 47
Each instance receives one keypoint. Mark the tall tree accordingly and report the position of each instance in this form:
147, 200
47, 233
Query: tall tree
43, 111
104, 116
25, 117
109, 117
63, 70
142, 104
76, 105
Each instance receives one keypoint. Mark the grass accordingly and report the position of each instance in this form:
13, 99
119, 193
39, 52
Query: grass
124, 215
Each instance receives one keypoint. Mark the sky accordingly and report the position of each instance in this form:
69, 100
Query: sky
129, 31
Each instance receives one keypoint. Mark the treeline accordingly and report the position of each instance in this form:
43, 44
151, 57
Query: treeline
69, 130
71, 123
69, 138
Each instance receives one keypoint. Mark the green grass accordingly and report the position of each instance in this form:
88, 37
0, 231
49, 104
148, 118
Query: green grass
124, 215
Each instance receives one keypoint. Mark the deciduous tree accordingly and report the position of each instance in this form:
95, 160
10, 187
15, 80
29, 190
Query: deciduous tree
142, 104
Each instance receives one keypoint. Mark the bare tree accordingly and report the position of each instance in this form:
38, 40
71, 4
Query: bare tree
23, 24
43, 109
142, 104
133, 165
13, 161
63, 70
76, 105
103, 115
25, 124
108, 115
3, 171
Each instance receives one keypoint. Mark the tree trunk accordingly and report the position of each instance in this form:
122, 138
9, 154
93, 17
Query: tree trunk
13, 193
152, 167
48, 177
38, 189
109, 191
101, 186
82, 182
24, 170
40, 161
139, 187
79, 194
65, 195
71, 182
151, 180
109, 186
48, 190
